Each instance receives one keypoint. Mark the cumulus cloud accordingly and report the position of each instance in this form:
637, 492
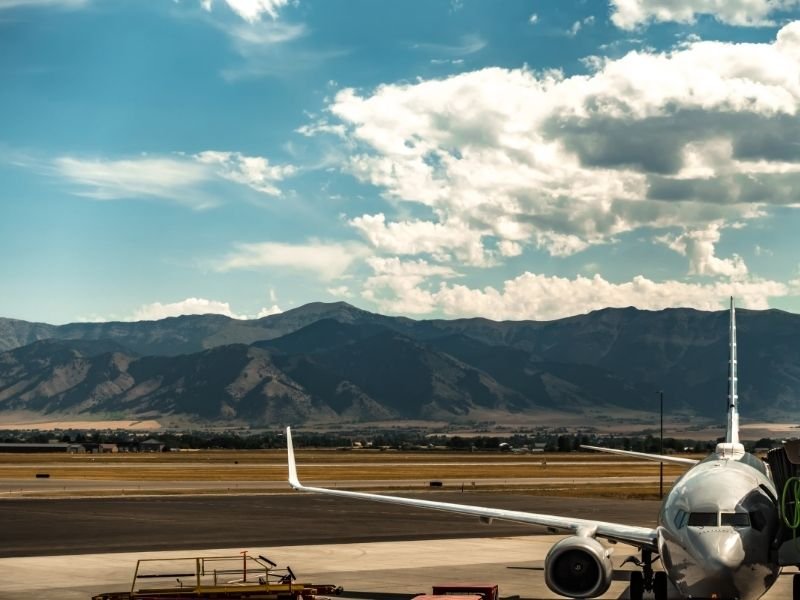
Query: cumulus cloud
445, 241
180, 178
628, 14
672, 140
192, 306
396, 285
699, 246
542, 297
325, 261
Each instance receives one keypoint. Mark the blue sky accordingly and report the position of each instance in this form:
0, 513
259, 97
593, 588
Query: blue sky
515, 160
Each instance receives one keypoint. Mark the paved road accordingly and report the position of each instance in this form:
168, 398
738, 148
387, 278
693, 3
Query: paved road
36, 527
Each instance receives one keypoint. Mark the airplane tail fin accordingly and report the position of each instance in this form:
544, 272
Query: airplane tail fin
732, 447
732, 432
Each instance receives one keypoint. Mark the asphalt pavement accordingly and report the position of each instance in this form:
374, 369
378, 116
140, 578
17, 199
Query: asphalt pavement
39, 527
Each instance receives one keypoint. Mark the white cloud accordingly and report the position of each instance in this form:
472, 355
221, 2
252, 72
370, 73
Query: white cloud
326, 261
172, 178
699, 245
267, 50
182, 179
190, 306
628, 14
541, 297
252, 171
423, 237
268, 311
252, 39
578, 25
341, 291
533, 19
468, 44
251, 10
705, 133
395, 285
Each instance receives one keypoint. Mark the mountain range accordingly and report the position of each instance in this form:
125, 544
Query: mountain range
337, 363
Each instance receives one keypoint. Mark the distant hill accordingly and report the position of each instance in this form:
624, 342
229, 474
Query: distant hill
334, 362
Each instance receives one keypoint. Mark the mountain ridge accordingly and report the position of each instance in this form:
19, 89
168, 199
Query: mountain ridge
335, 362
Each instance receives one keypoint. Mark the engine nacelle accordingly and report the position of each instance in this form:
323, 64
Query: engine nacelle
578, 567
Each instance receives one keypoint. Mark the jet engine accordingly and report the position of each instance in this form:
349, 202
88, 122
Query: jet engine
578, 567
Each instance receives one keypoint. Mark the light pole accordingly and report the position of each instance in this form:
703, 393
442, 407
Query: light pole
661, 446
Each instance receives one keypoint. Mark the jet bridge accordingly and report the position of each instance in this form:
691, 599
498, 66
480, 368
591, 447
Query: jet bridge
784, 463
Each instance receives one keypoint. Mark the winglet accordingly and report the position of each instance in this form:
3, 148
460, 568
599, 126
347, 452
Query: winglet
293, 480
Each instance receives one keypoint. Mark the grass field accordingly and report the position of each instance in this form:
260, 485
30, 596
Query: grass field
580, 474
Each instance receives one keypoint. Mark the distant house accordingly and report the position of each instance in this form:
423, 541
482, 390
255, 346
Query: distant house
151, 445
107, 448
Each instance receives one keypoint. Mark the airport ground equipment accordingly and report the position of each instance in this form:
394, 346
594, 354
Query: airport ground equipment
486, 591
242, 577
462, 591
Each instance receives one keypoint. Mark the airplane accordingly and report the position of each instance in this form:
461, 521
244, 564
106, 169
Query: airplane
714, 536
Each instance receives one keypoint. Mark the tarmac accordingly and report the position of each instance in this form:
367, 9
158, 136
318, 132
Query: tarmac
362, 569
72, 549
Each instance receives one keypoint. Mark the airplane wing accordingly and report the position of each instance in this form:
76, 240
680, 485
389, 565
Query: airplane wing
642, 537
662, 458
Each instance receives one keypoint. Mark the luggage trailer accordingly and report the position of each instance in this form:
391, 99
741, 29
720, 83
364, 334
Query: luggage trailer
244, 577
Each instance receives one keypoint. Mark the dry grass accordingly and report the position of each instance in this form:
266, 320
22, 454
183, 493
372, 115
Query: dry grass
278, 457
587, 470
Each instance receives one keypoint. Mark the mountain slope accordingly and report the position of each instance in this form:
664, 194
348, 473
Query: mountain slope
336, 362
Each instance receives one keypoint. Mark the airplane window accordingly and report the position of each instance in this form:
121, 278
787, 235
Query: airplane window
736, 519
702, 519
680, 519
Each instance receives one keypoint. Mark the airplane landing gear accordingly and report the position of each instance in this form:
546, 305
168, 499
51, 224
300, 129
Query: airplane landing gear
648, 580
637, 585
660, 586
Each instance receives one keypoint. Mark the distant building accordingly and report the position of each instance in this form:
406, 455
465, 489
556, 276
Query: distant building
107, 448
151, 445
26, 447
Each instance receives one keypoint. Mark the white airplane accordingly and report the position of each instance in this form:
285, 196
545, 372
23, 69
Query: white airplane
715, 534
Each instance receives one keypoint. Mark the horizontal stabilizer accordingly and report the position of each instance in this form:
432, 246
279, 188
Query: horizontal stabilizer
662, 458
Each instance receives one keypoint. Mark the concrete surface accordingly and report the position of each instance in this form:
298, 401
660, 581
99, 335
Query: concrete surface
389, 567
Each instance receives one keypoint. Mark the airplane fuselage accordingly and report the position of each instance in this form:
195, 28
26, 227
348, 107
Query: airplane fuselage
716, 528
